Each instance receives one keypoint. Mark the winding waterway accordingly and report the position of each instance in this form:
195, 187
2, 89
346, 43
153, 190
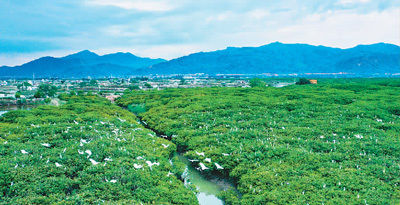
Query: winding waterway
5, 109
207, 188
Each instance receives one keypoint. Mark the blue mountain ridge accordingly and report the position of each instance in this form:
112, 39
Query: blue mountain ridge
277, 58
81, 64
282, 58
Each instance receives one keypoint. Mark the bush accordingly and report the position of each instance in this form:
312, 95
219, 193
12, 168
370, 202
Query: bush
257, 82
303, 81
137, 108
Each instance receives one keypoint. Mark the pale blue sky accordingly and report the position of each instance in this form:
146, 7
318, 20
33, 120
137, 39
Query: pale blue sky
172, 28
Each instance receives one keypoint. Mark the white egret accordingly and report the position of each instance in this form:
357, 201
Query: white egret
203, 167
93, 162
46, 144
88, 152
150, 164
137, 166
200, 153
218, 166
193, 160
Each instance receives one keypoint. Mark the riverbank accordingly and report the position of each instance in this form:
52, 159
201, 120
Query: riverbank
208, 187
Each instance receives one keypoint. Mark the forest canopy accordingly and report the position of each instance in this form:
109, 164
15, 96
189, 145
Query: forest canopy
333, 143
87, 151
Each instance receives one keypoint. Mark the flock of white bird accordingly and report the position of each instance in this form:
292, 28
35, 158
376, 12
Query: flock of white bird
204, 167
118, 133
89, 153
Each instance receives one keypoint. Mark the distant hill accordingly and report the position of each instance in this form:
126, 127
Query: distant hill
282, 58
274, 58
82, 64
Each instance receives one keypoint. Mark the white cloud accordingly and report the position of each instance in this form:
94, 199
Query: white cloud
145, 28
168, 51
141, 5
259, 13
344, 29
351, 2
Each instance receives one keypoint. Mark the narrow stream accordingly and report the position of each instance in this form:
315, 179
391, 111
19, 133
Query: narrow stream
207, 188
3, 112
5, 109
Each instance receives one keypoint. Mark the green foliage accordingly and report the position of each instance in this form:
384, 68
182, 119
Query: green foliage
18, 94
137, 108
33, 141
147, 85
47, 90
333, 143
39, 94
303, 81
257, 82
134, 87
47, 100
93, 82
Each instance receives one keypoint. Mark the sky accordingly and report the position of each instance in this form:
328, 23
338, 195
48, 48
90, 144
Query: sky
30, 29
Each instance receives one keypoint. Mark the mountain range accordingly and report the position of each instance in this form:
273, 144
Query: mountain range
81, 64
274, 58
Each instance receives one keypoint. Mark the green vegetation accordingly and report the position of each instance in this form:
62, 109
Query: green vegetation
133, 87
257, 82
45, 90
333, 143
147, 85
87, 151
18, 94
303, 81
137, 109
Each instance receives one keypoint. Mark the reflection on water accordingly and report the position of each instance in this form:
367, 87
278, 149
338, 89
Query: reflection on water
207, 188
5, 109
